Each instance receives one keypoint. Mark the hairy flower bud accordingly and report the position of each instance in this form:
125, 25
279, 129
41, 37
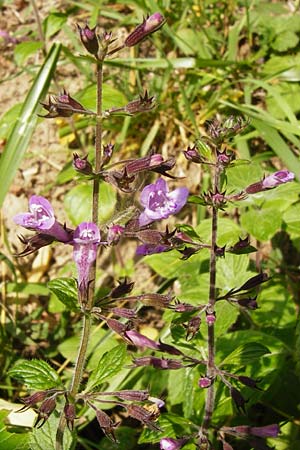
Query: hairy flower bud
89, 39
204, 382
148, 26
106, 424
70, 415
46, 408
82, 165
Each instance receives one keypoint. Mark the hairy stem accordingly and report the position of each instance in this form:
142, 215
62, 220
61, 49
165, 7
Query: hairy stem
210, 396
86, 326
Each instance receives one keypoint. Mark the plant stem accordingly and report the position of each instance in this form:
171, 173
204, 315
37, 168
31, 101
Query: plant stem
86, 326
210, 371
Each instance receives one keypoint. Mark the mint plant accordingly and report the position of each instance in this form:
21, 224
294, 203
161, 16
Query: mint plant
191, 342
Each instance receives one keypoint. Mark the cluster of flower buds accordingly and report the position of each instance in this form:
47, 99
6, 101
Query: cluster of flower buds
48, 404
129, 400
64, 106
98, 45
220, 132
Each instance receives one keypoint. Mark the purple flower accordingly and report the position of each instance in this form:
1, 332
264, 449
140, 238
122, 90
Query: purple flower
159, 203
277, 178
171, 444
148, 26
86, 240
139, 340
266, 431
41, 218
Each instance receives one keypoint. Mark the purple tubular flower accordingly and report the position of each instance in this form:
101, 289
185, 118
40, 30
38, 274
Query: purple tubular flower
277, 178
140, 340
86, 240
149, 25
171, 444
41, 218
159, 203
266, 431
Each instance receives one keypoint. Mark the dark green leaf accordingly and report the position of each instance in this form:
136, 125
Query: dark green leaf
66, 291
109, 365
246, 354
35, 374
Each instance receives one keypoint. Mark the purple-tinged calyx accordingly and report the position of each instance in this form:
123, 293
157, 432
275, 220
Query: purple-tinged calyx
89, 39
148, 26
192, 154
41, 219
204, 382
159, 203
85, 241
82, 165
114, 233
271, 181
63, 106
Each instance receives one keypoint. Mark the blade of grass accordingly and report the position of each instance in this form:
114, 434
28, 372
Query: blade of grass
275, 141
21, 133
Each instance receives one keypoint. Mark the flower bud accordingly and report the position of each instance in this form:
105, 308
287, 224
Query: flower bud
149, 26
82, 165
70, 415
114, 233
89, 39
204, 382
106, 424
46, 408
107, 153
210, 319
192, 154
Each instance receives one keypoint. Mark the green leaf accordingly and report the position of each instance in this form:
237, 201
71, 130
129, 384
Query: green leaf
246, 354
261, 223
109, 365
111, 97
10, 440
78, 203
24, 126
8, 119
66, 291
44, 438
54, 23
284, 41
24, 50
35, 374
291, 218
